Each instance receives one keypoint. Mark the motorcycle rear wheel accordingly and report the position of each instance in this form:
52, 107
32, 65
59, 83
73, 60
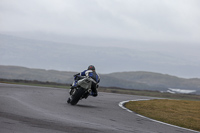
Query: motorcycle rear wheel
76, 96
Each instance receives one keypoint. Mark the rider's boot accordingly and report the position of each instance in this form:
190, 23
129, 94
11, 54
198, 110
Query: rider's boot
94, 94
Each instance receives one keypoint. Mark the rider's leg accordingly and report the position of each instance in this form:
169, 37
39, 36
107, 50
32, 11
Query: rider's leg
94, 90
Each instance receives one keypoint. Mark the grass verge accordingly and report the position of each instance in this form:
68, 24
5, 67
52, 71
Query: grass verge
37, 83
108, 89
191, 97
181, 113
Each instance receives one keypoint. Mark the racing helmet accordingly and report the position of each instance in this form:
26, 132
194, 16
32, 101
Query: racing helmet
91, 67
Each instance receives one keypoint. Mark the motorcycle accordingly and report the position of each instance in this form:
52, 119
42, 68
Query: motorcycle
82, 90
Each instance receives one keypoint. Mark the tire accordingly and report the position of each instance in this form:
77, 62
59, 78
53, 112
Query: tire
77, 95
68, 100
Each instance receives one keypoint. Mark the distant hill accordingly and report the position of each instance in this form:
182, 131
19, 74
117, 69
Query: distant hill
15, 72
32, 53
157, 79
131, 80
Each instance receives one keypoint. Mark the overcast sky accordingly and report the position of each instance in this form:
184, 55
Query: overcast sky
147, 20
170, 27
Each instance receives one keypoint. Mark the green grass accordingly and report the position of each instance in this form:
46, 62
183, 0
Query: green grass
109, 90
65, 86
152, 94
182, 113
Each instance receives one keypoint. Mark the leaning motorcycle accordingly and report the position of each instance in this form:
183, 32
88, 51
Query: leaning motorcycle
82, 90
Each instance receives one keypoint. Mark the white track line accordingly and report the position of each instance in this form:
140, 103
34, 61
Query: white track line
121, 104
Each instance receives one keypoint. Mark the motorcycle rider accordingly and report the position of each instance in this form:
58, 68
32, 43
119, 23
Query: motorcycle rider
90, 72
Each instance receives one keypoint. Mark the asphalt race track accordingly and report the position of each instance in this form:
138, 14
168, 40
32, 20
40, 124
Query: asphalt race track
27, 109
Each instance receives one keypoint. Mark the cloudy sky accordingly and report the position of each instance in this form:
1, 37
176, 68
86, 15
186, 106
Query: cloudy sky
155, 20
166, 26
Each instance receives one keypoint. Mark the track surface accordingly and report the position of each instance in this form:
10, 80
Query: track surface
26, 109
